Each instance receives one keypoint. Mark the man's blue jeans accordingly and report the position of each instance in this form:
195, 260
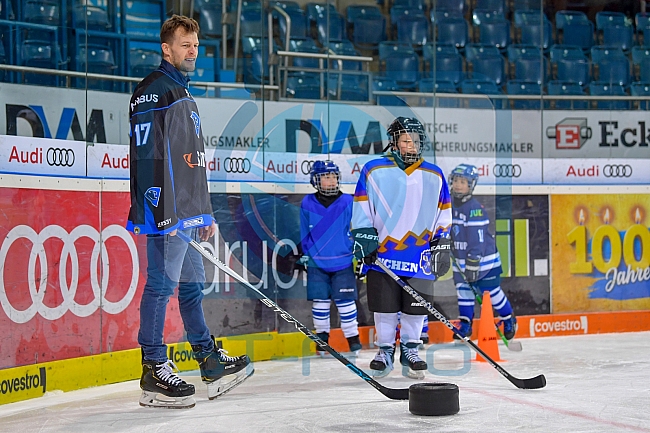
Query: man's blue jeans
171, 263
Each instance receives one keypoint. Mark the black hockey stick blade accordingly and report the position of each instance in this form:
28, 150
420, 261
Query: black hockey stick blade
391, 393
532, 383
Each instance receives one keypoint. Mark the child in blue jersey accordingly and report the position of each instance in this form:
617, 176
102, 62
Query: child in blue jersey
477, 266
401, 216
327, 253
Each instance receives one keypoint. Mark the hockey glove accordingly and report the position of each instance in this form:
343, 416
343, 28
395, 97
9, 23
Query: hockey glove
360, 270
298, 262
472, 267
366, 242
440, 249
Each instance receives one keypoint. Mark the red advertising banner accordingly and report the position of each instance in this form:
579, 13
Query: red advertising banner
71, 276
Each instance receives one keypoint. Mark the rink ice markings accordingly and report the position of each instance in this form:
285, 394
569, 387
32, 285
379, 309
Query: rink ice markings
556, 410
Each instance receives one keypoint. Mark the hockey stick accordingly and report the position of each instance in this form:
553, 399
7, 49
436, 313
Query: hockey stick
515, 346
532, 383
392, 393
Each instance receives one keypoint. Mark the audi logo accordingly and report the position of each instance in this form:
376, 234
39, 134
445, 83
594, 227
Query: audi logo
237, 165
617, 170
69, 271
506, 170
60, 157
305, 167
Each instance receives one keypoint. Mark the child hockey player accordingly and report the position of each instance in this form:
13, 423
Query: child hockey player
477, 260
327, 248
402, 215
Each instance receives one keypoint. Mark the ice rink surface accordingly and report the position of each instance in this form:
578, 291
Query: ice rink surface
596, 383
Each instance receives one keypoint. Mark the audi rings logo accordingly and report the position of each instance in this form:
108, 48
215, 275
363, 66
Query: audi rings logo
305, 167
60, 157
237, 165
506, 170
617, 170
69, 271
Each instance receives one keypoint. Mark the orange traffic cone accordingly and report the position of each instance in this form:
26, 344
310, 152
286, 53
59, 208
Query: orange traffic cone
487, 336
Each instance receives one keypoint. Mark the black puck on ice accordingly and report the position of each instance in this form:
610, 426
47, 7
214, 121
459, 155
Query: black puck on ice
433, 399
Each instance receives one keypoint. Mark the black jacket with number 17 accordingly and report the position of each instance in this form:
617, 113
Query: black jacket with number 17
169, 188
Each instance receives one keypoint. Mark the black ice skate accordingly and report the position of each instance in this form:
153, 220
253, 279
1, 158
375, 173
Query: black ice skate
325, 336
412, 365
382, 365
355, 344
220, 372
161, 387
509, 326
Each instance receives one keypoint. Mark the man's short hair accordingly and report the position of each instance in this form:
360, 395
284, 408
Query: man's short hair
169, 27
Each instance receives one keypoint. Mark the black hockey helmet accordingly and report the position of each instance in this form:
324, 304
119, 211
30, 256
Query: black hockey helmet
413, 127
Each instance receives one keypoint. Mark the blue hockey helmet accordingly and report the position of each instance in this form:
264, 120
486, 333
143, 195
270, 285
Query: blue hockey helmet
468, 172
320, 169
413, 127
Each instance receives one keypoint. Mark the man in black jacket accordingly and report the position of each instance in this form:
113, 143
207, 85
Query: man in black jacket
169, 192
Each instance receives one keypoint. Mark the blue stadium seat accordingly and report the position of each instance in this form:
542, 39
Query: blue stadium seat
404, 69
387, 48
412, 4
474, 51
316, 9
479, 16
641, 62
606, 19
357, 92
430, 50
440, 14
386, 84
205, 68
559, 52
8, 12
303, 87
347, 80
574, 70
143, 18
448, 67
298, 24
563, 18
251, 43
567, 88
252, 23
397, 12
599, 88
369, 31
538, 34
453, 31
525, 17
579, 33
97, 59
40, 54
428, 85
604, 52
210, 15
334, 32
455, 6
143, 61
481, 87
528, 88
641, 89
489, 67
413, 30
256, 67
532, 69
527, 5
90, 17
304, 46
614, 71
493, 5
516, 51
619, 36
42, 12
286, 5
3, 60
353, 12
642, 21
495, 31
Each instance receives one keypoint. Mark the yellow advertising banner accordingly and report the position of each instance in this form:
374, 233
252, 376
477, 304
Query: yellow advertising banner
600, 252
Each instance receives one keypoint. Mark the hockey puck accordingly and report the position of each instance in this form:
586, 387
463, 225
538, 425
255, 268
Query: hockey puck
433, 399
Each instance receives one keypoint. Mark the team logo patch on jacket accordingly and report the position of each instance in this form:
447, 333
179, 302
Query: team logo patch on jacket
425, 262
153, 195
197, 122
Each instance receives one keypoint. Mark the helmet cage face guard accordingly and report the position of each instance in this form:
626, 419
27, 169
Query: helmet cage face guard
327, 190
409, 156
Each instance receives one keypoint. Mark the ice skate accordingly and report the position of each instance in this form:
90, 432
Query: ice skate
509, 326
465, 329
220, 372
382, 365
161, 387
412, 365
355, 344
325, 336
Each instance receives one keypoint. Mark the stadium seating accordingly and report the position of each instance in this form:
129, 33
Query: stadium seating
523, 87
574, 70
428, 85
385, 84
143, 18
403, 68
458, 7
489, 67
497, 6
642, 22
531, 69
42, 12
97, 59
369, 31
332, 32
641, 89
496, 32
413, 30
481, 87
566, 88
599, 88
40, 54
641, 62
90, 17
452, 31
143, 61
303, 87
